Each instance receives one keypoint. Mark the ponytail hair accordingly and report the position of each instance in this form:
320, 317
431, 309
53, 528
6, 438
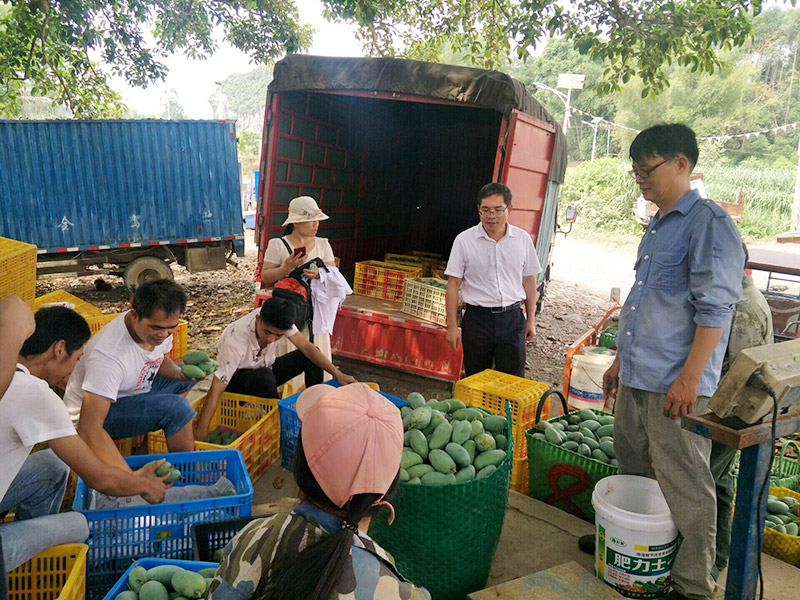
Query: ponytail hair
313, 574
288, 229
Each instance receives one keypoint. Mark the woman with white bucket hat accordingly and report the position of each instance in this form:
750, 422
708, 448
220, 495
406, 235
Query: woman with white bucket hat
299, 246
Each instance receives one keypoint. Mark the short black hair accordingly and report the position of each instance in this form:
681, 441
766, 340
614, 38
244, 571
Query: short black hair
666, 141
163, 294
278, 312
492, 189
53, 324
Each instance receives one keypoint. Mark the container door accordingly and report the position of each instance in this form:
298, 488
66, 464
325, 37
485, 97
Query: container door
524, 155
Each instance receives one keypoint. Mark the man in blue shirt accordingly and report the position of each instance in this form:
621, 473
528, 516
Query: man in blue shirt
673, 331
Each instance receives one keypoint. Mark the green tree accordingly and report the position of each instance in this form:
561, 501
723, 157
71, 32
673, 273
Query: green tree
50, 43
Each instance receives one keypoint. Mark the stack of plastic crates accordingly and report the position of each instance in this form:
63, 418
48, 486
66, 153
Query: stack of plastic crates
254, 419
180, 338
424, 297
491, 390
382, 280
121, 535
17, 269
58, 573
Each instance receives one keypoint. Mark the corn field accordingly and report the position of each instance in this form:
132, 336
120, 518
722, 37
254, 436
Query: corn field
768, 194
603, 193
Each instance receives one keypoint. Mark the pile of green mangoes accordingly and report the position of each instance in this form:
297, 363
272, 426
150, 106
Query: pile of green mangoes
166, 467
782, 515
449, 442
197, 364
166, 582
583, 432
222, 437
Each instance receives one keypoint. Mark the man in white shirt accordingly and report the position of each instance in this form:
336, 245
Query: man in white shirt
31, 413
125, 384
495, 266
247, 363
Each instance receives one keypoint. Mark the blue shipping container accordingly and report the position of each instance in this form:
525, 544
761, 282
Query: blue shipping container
82, 184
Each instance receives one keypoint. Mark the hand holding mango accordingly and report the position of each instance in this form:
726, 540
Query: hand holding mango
165, 468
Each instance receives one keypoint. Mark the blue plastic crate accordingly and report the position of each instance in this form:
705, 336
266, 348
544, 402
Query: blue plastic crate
290, 424
118, 536
149, 563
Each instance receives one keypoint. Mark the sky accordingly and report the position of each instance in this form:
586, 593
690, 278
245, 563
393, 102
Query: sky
194, 80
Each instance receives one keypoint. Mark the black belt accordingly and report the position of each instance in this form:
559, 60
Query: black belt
496, 309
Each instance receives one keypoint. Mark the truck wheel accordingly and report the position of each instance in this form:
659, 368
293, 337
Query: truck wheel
145, 269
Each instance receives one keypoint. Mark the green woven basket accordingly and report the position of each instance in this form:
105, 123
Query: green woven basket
562, 477
785, 471
444, 536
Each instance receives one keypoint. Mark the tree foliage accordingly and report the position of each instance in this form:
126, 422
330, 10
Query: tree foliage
63, 48
58, 46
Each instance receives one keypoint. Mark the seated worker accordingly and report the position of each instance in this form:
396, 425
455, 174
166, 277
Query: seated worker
126, 385
31, 413
247, 363
347, 465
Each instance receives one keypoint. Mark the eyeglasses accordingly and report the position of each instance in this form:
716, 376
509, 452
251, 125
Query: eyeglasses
645, 173
488, 211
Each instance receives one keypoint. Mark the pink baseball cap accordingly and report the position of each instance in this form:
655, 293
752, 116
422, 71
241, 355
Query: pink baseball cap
352, 439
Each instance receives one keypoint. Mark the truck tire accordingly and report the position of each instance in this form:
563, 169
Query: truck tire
145, 269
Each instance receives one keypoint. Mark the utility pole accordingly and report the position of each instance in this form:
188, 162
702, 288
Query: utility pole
569, 82
796, 203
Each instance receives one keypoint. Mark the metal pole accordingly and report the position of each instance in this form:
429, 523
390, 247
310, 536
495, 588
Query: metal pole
796, 203
608, 141
594, 139
566, 110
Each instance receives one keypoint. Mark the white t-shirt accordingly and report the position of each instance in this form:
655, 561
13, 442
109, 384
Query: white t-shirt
30, 412
276, 251
238, 348
492, 271
113, 366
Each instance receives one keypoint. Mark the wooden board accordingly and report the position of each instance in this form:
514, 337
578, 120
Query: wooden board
569, 580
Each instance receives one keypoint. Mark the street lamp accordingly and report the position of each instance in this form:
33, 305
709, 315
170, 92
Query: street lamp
569, 81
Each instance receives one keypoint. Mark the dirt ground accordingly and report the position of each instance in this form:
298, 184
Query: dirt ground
218, 298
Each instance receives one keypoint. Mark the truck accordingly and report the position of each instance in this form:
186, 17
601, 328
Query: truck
122, 197
395, 152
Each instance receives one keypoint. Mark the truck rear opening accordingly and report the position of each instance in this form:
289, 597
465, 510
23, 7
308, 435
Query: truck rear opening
395, 152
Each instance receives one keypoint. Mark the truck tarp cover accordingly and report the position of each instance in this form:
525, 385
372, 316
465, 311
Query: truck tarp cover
478, 87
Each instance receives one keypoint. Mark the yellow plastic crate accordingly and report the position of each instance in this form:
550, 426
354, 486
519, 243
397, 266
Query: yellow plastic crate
519, 475
492, 389
410, 260
431, 255
58, 573
180, 339
424, 298
382, 280
17, 269
255, 419
781, 545
83, 308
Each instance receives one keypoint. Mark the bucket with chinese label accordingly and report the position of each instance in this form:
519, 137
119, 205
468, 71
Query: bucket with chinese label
586, 377
636, 539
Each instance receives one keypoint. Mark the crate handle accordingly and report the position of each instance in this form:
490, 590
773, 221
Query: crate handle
546, 396
783, 451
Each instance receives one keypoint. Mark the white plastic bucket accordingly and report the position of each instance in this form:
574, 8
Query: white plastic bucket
636, 539
586, 378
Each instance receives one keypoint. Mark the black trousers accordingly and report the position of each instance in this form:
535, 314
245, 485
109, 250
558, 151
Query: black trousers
493, 340
264, 381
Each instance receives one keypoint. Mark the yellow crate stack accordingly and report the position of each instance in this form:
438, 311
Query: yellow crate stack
491, 390
83, 308
382, 280
17, 269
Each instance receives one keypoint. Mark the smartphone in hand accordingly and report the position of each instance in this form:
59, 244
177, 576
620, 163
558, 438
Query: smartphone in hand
299, 251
